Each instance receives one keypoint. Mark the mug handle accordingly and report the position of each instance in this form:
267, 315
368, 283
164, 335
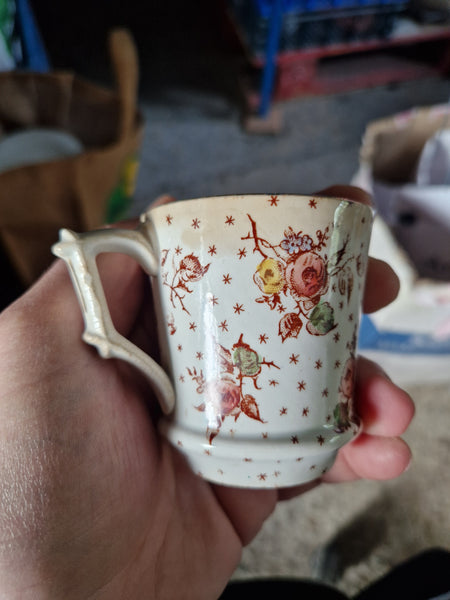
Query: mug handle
80, 251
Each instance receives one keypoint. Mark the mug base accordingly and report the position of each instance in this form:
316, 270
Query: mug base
264, 473
245, 464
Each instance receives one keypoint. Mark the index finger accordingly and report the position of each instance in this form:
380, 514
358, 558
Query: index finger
350, 192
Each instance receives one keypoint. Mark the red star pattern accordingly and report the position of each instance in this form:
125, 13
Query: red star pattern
336, 337
227, 278
214, 301
337, 364
242, 253
199, 355
305, 411
283, 411
224, 326
229, 220
273, 382
294, 358
169, 219
325, 393
318, 364
320, 440
179, 347
181, 378
178, 250
193, 326
212, 250
301, 385
313, 203
262, 476
238, 308
263, 338
274, 200
294, 439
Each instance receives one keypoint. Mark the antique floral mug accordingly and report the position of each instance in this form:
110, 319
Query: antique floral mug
258, 302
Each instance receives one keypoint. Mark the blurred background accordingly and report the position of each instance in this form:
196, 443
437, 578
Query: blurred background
201, 73
247, 96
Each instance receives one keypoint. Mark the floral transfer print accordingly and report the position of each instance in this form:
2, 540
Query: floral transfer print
344, 413
188, 271
261, 313
298, 268
227, 396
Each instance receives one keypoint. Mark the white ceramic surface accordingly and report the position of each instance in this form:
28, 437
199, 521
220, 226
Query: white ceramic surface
258, 302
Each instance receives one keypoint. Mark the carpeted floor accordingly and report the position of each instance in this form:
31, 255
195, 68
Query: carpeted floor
352, 534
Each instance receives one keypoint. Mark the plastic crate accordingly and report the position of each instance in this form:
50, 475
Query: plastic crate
318, 27
262, 9
312, 6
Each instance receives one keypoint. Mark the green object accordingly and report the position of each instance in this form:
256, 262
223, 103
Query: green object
322, 318
7, 26
247, 361
119, 201
341, 417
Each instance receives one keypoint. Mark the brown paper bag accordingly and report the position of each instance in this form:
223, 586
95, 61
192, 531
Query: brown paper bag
80, 192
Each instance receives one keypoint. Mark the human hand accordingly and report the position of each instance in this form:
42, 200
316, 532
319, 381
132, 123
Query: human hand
93, 502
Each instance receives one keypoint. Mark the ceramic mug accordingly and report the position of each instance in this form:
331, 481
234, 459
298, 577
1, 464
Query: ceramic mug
258, 302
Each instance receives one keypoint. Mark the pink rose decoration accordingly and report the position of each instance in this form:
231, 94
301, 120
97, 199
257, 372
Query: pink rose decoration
348, 379
223, 397
306, 276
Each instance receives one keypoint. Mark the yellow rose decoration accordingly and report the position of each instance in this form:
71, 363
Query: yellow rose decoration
269, 276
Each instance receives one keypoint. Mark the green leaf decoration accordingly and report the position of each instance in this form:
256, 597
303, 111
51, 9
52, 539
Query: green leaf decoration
247, 361
341, 417
321, 319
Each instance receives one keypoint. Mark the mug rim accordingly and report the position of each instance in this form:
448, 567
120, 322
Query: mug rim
227, 197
